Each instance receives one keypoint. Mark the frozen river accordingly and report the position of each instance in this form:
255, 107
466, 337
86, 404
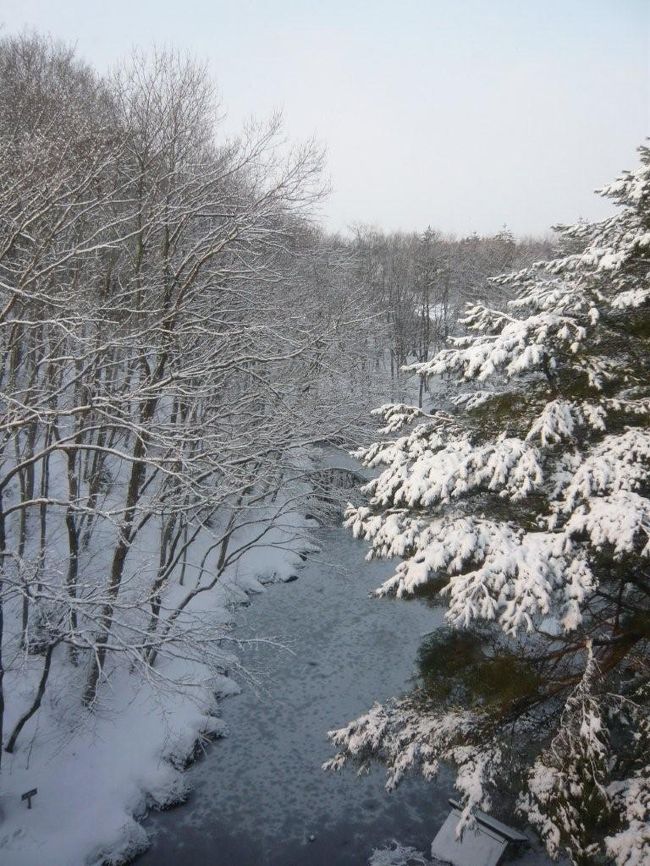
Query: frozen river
259, 797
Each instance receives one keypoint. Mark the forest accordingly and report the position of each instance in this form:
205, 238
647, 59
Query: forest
182, 341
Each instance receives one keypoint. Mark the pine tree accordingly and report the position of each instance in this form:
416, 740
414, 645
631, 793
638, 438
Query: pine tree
525, 508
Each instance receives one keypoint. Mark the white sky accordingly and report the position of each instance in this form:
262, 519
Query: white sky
462, 114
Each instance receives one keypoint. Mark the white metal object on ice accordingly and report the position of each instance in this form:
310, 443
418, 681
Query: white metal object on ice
481, 845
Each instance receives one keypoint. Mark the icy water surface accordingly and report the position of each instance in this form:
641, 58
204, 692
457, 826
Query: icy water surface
260, 797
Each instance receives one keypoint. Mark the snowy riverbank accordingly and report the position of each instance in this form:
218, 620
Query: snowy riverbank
97, 774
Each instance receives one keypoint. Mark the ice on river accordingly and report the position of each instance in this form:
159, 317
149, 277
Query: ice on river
260, 797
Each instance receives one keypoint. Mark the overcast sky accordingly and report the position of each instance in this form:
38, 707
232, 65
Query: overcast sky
456, 113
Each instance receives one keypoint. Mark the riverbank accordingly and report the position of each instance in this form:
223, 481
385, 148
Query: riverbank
97, 774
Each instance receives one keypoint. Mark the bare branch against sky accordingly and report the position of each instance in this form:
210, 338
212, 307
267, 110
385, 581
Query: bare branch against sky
464, 115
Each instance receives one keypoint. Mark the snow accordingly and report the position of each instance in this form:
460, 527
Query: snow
522, 345
97, 774
93, 784
630, 846
619, 520
509, 465
477, 847
397, 855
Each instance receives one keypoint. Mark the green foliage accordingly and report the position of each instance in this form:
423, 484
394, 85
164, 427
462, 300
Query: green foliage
471, 669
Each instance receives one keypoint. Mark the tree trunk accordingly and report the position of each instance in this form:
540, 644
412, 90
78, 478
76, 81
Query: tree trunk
11, 743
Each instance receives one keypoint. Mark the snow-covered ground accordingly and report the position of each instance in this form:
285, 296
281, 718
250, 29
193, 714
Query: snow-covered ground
98, 773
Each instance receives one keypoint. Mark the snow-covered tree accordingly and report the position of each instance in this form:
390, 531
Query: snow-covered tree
526, 509
175, 334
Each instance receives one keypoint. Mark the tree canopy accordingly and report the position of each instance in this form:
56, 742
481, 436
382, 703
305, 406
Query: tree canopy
524, 506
